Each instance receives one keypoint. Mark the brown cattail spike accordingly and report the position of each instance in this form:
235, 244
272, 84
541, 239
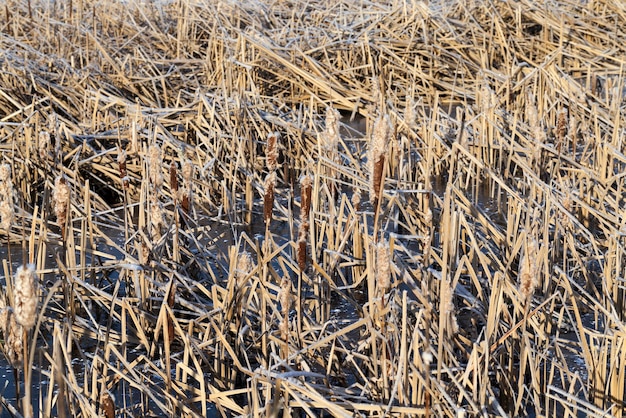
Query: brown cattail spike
174, 180
301, 251
107, 405
272, 151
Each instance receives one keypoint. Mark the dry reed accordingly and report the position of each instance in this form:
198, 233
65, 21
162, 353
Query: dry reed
501, 108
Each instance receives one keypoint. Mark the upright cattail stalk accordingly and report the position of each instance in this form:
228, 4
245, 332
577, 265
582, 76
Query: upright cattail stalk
7, 211
61, 200
121, 162
25, 295
185, 199
268, 197
561, 129
377, 154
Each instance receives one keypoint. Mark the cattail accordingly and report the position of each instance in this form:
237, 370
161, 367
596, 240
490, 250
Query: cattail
305, 199
561, 129
44, 145
25, 296
268, 197
378, 149
61, 200
155, 164
187, 172
107, 405
245, 265
356, 199
156, 216
271, 152
121, 162
383, 267
285, 298
174, 180
410, 115
7, 211
13, 338
331, 133
301, 254
447, 308
528, 269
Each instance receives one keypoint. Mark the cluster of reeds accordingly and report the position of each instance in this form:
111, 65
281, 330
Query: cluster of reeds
483, 277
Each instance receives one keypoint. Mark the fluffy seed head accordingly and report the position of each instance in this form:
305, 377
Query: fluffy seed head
245, 265
61, 200
529, 269
155, 163
13, 338
25, 296
44, 145
383, 266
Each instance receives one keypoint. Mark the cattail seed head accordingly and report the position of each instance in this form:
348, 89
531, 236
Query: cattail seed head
245, 266
61, 200
383, 266
271, 153
155, 163
529, 270
7, 211
25, 295
174, 180
44, 145
156, 217
285, 297
107, 405
301, 253
356, 199
377, 153
305, 198
13, 338
331, 134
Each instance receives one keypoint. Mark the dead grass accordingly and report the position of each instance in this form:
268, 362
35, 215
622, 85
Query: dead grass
486, 279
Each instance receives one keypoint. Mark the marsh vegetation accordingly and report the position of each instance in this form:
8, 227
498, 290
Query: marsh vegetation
307, 208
